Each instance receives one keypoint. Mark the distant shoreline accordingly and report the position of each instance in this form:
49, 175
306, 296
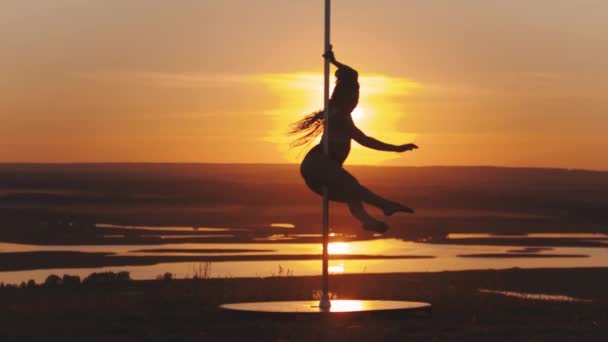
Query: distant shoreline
295, 164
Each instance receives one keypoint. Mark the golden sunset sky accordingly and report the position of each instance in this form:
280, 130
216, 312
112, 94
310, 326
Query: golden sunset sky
472, 82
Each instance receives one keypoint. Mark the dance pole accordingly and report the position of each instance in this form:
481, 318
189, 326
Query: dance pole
325, 302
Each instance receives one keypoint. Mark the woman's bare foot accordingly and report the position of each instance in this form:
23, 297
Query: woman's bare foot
395, 207
375, 226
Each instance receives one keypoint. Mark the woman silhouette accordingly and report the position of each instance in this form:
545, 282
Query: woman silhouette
321, 170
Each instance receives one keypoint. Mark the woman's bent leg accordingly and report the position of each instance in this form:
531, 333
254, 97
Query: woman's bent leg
320, 171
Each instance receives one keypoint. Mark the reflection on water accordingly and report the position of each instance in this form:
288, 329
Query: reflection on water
538, 296
288, 237
529, 250
336, 268
275, 237
282, 225
171, 228
529, 236
187, 236
446, 258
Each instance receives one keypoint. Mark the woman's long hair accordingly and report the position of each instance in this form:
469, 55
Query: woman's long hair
309, 127
345, 96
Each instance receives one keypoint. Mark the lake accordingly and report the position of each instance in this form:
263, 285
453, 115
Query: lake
413, 257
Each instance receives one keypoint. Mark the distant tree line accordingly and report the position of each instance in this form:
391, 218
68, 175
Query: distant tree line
71, 281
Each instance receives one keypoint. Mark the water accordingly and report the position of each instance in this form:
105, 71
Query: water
169, 228
542, 297
599, 236
444, 258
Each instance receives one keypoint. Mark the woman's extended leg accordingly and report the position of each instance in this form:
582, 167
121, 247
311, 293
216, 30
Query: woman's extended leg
368, 221
389, 207
318, 171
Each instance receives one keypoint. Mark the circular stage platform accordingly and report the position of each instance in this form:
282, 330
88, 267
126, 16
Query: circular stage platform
311, 307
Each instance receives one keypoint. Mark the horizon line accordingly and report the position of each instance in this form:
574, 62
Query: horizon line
480, 166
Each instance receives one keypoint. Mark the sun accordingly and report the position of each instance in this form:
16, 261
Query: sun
358, 114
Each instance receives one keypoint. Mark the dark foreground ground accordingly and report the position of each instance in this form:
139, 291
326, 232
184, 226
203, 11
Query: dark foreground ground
186, 310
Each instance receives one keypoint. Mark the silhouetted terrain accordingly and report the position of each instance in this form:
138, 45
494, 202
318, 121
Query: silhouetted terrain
61, 202
464, 308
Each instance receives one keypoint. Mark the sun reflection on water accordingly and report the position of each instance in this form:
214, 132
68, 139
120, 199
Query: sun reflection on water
336, 268
338, 247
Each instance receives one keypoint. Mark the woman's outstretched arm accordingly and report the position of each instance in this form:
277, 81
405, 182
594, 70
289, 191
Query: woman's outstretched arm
376, 144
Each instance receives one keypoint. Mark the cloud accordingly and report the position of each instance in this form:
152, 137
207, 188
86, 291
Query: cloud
173, 79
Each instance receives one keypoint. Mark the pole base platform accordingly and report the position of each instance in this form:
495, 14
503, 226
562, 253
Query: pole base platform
338, 307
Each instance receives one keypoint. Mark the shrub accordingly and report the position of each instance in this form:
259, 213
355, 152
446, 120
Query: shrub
166, 276
71, 281
202, 271
104, 278
123, 276
52, 281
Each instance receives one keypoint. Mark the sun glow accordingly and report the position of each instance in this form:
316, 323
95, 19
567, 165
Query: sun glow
358, 114
380, 109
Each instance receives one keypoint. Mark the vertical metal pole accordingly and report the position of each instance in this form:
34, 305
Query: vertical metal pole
325, 302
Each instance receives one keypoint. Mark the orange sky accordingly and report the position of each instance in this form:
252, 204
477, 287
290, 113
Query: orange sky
472, 82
